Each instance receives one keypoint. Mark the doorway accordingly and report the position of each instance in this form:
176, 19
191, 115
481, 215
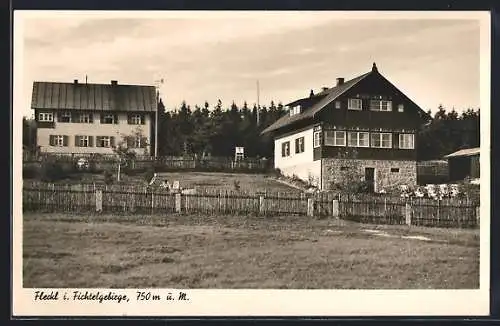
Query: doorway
370, 178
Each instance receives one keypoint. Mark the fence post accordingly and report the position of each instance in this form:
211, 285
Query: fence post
98, 200
335, 208
310, 206
261, 204
178, 203
478, 214
408, 214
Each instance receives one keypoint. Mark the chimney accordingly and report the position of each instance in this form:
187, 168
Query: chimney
75, 81
324, 88
340, 81
114, 82
374, 67
311, 94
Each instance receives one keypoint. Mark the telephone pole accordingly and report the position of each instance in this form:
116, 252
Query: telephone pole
258, 103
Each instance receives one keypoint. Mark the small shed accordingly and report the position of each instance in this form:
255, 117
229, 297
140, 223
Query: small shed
463, 163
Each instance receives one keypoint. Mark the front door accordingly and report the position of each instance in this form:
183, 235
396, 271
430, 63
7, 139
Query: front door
370, 178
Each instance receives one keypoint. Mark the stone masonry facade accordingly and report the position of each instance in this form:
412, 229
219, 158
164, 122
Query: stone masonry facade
388, 173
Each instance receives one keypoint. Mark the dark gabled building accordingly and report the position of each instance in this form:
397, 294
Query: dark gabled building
463, 164
365, 120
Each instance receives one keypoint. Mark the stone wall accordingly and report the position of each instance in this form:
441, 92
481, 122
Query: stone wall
335, 170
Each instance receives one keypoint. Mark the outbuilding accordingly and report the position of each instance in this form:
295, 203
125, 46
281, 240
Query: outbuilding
463, 163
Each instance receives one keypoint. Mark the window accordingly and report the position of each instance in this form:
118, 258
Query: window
355, 104
344, 168
337, 104
45, 117
104, 141
381, 140
401, 108
335, 138
317, 139
64, 117
109, 119
380, 105
395, 170
295, 110
299, 145
58, 140
135, 119
85, 118
358, 139
82, 141
406, 141
285, 149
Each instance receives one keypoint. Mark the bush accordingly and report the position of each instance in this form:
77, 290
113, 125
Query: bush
108, 177
52, 171
30, 172
148, 175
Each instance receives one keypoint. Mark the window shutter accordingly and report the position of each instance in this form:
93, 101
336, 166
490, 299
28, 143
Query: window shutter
115, 118
112, 141
77, 141
65, 140
51, 140
91, 139
98, 141
91, 117
142, 119
102, 117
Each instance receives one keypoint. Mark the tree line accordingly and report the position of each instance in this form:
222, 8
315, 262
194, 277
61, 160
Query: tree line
217, 129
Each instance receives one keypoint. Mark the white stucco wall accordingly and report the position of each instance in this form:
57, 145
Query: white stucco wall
92, 129
300, 164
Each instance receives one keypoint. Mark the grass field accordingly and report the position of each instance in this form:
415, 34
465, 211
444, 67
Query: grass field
201, 180
253, 252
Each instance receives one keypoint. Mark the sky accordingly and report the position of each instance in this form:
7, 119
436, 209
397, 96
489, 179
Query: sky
203, 57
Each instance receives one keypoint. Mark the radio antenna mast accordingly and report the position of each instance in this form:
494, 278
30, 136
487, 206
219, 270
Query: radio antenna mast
258, 103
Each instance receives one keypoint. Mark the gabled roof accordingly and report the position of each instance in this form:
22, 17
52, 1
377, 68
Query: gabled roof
324, 98
95, 97
464, 152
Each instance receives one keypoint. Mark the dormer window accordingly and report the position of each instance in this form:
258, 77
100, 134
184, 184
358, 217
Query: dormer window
401, 108
355, 104
45, 117
294, 110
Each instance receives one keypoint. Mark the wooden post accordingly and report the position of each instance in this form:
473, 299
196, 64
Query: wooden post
178, 203
335, 209
310, 207
261, 204
152, 202
478, 214
408, 214
98, 201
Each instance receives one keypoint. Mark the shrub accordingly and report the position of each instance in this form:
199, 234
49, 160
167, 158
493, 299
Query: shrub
52, 171
148, 175
30, 172
108, 177
236, 185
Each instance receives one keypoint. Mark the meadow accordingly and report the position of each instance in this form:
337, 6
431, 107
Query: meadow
201, 251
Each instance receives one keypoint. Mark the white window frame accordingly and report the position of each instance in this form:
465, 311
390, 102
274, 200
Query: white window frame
380, 106
301, 145
401, 108
333, 139
65, 115
294, 110
407, 145
380, 136
84, 118
45, 117
108, 116
351, 106
287, 149
104, 140
59, 141
135, 119
317, 139
358, 138
83, 141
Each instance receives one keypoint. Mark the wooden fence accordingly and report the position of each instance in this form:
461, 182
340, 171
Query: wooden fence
365, 209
